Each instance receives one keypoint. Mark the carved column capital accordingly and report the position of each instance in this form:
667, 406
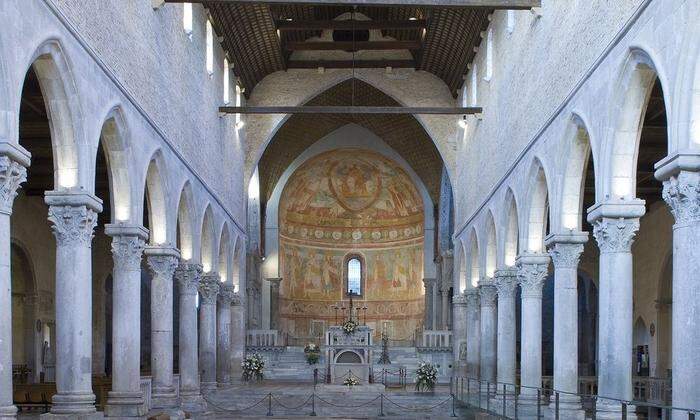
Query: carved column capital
532, 271
459, 300
128, 243
162, 261
506, 281
209, 288
12, 174
236, 300
615, 234
73, 216
428, 282
188, 276
682, 194
275, 282
472, 297
487, 292
226, 294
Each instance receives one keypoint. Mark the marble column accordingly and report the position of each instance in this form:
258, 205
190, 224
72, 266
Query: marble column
126, 399
223, 335
532, 272
428, 316
237, 335
506, 281
208, 293
444, 306
448, 281
73, 216
459, 329
473, 332
274, 302
162, 262
487, 350
13, 172
565, 250
681, 192
188, 276
615, 225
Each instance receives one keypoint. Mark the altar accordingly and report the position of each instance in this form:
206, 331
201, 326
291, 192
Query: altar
349, 354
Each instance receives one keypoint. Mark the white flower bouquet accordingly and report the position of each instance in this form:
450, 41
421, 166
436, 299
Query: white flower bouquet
313, 353
426, 376
351, 381
253, 366
349, 327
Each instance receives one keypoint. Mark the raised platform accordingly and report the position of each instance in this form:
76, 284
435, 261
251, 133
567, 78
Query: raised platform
367, 388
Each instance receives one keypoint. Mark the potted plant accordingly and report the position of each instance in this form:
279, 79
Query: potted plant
313, 353
252, 367
426, 376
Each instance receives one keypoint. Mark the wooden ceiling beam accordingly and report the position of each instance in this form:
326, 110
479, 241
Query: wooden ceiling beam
491, 4
346, 64
349, 45
349, 110
358, 25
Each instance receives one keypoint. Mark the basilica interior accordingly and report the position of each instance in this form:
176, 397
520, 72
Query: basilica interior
504, 191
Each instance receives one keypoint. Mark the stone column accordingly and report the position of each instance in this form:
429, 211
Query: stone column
487, 351
188, 276
445, 306
237, 335
13, 172
223, 335
208, 292
428, 316
459, 329
565, 250
682, 194
532, 272
73, 216
126, 399
274, 302
448, 281
473, 332
614, 226
506, 281
162, 262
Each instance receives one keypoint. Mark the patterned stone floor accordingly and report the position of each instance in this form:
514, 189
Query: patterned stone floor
296, 401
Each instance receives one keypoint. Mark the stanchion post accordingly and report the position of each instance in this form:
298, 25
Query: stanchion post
691, 415
381, 405
504, 401
313, 405
478, 390
269, 404
488, 395
453, 406
595, 407
556, 405
624, 410
516, 391
538, 403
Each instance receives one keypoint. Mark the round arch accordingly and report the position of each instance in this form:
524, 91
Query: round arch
538, 209
579, 152
208, 259
224, 254
491, 246
115, 140
155, 193
510, 247
474, 269
185, 217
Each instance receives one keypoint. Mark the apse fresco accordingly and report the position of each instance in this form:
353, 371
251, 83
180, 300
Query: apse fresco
342, 202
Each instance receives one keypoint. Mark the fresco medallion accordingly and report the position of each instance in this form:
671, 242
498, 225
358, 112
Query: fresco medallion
355, 183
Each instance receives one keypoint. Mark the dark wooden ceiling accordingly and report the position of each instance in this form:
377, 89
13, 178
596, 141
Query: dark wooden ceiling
403, 133
250, 35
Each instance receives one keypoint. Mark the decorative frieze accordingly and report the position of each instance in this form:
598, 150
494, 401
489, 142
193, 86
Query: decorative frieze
615, 234
12, 175
209, 288
188, 277
682, 194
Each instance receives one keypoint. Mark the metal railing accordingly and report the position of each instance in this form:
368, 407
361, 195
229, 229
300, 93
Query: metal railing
512, 401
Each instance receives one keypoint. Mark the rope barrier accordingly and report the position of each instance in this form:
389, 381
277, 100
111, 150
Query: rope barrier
432, 407
292, 408
236, 410
348, 406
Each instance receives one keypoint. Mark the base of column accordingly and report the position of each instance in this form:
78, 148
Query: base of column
125, 404
208, 386
79, 405
167, 413
165, 397
224, 384
192, 401
8, 412
608, 410
569, 408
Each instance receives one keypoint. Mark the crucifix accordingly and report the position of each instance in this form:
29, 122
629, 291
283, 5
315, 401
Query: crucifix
351, 305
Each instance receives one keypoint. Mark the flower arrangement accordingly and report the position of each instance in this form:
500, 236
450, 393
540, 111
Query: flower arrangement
349, 326
351, 381
313, 353
253, 366
426, 376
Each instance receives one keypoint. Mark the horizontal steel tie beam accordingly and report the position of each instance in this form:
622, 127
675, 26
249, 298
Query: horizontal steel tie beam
348, 110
